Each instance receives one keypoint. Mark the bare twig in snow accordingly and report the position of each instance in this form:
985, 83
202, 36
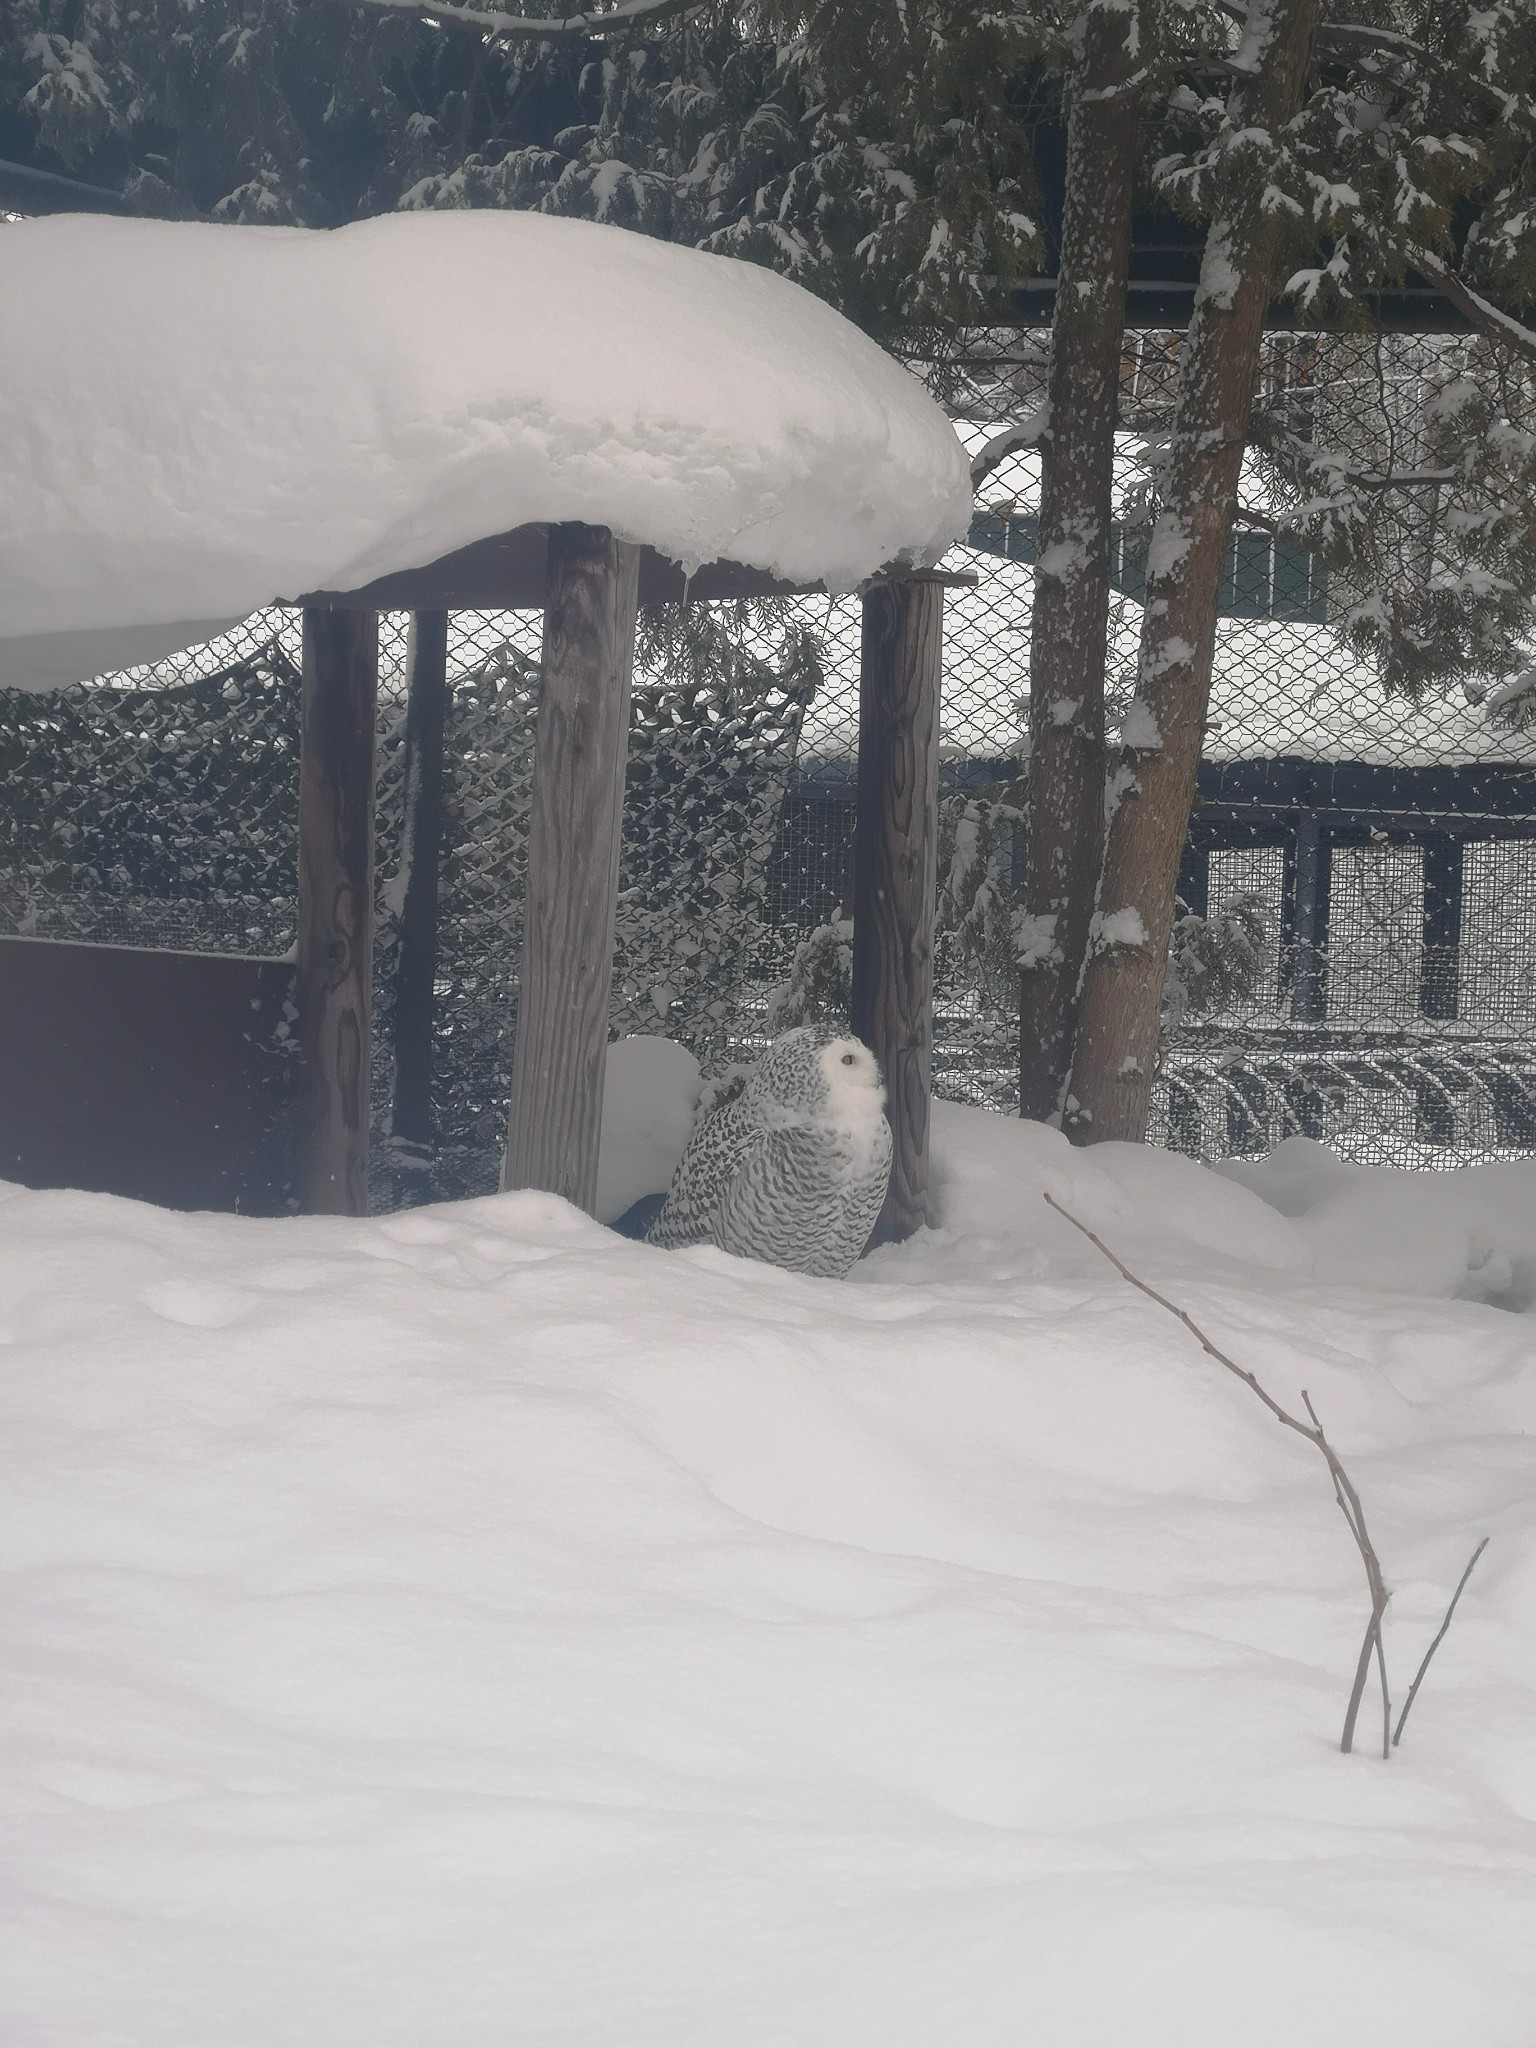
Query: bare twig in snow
1343, 1488
1354, 1515
1397, 1733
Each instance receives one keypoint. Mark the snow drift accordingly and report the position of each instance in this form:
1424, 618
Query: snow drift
1469, 1232
198, 420
467, 1627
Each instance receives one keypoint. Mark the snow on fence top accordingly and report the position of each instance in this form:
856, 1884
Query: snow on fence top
197, 420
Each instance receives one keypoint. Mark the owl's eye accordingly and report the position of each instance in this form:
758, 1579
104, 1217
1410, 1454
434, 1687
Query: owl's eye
847, 1059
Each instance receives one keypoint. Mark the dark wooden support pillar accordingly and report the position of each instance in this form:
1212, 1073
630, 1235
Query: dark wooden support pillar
573, 865
1440, 971
426, 708
895, 851
1309, 877
335, 949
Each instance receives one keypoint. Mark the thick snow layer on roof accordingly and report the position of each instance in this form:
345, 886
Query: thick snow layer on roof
197, 420
464, 1627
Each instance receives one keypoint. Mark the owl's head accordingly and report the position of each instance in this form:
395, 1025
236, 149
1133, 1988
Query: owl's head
825, 1075
850, 1071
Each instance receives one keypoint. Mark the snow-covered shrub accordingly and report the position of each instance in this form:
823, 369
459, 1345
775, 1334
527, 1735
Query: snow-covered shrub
819, 986
1214, 962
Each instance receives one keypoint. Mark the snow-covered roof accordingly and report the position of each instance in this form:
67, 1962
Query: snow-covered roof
198, 420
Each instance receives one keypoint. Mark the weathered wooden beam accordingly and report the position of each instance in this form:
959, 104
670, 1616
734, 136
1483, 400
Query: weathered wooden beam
509, 572
421, 841
573, 865
335, 946
895, 852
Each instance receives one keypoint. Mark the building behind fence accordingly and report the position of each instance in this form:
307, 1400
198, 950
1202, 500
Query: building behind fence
1386, 846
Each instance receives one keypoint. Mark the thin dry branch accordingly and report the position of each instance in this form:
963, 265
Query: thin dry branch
1397, 1733
1343, 1488
1349, 1506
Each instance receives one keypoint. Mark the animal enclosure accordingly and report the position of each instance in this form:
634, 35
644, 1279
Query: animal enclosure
1386, 844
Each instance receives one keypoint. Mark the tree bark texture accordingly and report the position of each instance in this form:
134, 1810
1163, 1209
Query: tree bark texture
1072, 578
335, 943
426, 708
574, 835
1117, 1048
895, 853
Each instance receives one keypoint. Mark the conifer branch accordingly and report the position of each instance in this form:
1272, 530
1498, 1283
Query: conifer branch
505, 27
1364, 38
1010, 441
1488, 318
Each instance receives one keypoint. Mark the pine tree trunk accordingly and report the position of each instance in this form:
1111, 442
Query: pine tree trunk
1072, 577
1117, 1047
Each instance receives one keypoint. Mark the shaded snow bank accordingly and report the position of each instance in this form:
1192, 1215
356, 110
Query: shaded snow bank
465, 1626
1469, 1233
197, 420
651, 1089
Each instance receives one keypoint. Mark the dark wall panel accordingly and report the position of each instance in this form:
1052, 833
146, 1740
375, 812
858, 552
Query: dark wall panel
155, 1075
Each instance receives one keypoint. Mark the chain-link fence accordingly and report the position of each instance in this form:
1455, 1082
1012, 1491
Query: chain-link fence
1375, 852
160, 810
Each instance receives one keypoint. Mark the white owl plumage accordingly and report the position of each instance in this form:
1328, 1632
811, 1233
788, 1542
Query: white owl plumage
793, 1170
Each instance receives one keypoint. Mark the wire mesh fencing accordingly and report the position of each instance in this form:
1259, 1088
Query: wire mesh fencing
159, 809
1381, 843
1380, 831
712, 744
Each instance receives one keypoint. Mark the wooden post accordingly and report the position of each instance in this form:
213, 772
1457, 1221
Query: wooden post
426, 707
895, 853
573, 865
335, 949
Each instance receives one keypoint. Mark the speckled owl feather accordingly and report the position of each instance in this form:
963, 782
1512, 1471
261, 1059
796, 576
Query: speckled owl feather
793, 1170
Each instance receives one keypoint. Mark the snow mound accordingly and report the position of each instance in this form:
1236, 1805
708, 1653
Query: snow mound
1469, 1233
468, 1627
196, 421
651, 1087
992, 1174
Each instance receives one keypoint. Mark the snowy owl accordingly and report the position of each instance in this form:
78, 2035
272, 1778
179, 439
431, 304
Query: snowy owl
793, 1170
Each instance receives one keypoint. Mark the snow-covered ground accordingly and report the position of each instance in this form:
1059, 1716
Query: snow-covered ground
466, 1627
